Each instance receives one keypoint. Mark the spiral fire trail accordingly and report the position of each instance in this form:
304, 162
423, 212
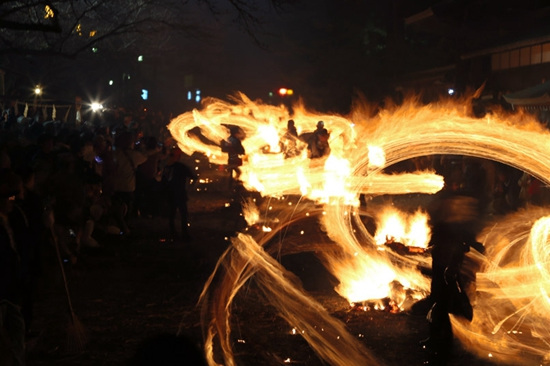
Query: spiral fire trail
513, 279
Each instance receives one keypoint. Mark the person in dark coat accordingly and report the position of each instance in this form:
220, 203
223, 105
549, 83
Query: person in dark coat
453, 234
26, 222
289, 141
175, 177
235, 152
318, 145
12, 324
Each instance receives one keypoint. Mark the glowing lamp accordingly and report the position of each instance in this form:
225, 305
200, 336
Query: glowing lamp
283, 91
38, 90
96, 106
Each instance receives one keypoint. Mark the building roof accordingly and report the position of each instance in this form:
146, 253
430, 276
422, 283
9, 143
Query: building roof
535, 95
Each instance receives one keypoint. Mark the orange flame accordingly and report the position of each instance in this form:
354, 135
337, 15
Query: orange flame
512, 284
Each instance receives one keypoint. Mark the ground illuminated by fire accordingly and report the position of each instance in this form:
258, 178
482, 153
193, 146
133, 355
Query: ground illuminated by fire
511, 302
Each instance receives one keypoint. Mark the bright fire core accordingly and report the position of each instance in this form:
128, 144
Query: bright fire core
513, 282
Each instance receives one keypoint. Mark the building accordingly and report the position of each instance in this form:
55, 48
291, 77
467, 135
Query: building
502, 46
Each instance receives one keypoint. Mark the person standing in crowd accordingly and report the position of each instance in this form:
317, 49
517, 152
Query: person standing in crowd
147, 178
175, 177
26, 221
12, 323
126, 161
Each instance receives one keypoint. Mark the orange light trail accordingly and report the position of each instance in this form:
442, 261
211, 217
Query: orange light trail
513, 282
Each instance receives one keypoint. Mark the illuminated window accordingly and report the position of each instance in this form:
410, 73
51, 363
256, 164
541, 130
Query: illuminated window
536, 54
495, 61
514, 58
525, 56
189, 95
546, 52
505, 60
78, 29
92, 33
144, 94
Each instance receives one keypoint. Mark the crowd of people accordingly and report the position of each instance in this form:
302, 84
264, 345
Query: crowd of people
67, 185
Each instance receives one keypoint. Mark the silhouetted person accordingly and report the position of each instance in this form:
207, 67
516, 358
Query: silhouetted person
146, 178
290, 140
126, 160
235, 152
12, 324
318, 145
175, 177
452, 236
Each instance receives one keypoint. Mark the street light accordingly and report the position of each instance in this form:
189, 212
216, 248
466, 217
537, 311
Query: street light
96, 106
37, 93
285, 91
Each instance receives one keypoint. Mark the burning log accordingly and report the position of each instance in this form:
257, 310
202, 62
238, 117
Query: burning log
403, 249
386, 304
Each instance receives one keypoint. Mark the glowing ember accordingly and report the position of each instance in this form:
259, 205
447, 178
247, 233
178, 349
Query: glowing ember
512, 303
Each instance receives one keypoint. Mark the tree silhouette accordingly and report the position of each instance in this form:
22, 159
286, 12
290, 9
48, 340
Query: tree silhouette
69, 27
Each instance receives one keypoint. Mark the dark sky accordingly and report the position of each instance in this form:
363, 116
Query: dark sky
300, 47
323, 49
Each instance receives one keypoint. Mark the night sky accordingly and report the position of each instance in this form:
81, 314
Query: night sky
325, 50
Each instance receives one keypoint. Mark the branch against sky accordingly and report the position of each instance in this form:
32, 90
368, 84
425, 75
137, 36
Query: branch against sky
69, 27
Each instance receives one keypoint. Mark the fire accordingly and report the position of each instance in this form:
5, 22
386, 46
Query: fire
511, 318
411, 230
251, 212
511, 302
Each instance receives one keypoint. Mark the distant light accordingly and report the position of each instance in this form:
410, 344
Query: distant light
96, 106
289, 92
49, 13
140, 58
94, 49
270, 94
451, 91
111, 82
189, 95
282, 91
38, 90
197, 95
144, 94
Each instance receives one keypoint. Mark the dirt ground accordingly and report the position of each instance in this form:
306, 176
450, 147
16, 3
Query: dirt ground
134, 288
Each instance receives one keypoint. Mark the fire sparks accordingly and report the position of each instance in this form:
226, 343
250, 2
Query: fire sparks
513, 284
